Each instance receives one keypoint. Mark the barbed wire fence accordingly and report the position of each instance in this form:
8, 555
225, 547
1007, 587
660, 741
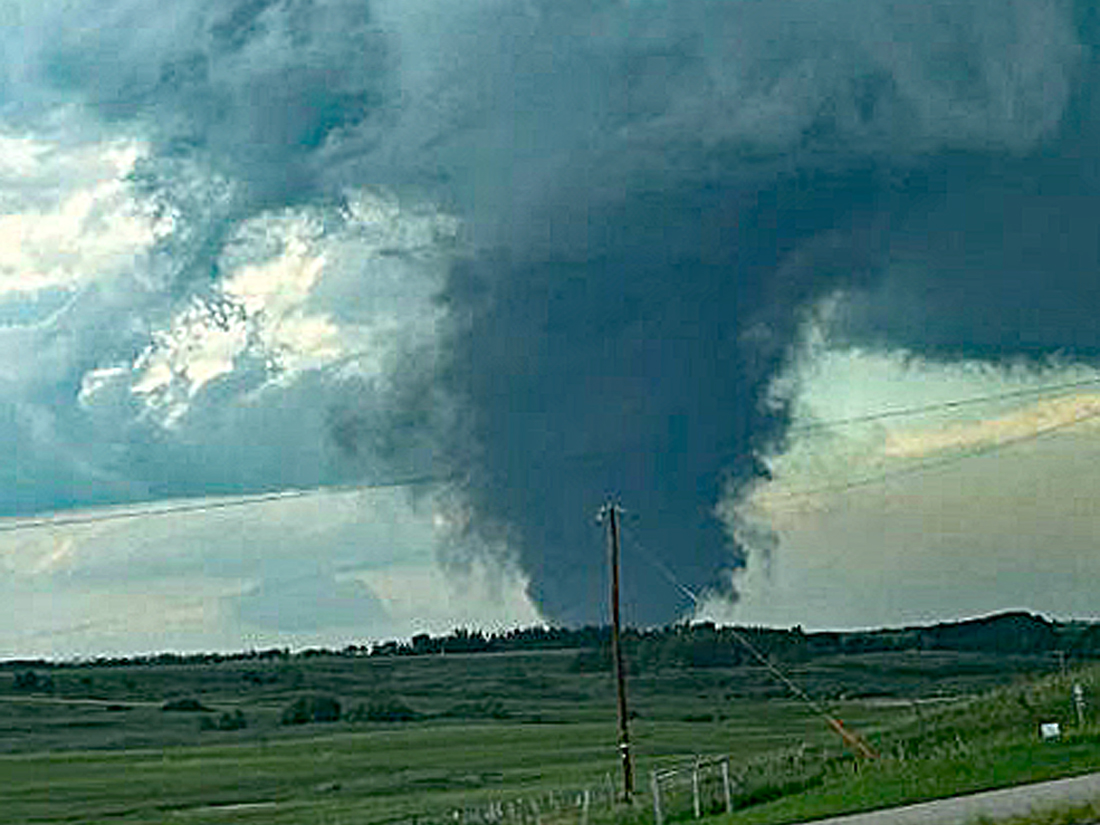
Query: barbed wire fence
687, 789
574, 806
705, 780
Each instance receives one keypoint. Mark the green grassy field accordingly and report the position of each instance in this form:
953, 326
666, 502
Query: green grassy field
987, 741
97, 747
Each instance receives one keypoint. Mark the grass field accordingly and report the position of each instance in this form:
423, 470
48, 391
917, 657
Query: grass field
987, 741
93, 745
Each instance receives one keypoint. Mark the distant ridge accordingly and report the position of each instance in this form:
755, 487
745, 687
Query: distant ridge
697, 645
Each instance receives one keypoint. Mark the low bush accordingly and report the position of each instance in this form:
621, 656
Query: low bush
390, 709
232, 721
314, 708
187, 704
31, 682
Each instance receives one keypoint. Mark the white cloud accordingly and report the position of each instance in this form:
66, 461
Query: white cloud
956, 511
304, 289
437, 600
72, 229
1033, 421
330, 569
277, 292
229, 383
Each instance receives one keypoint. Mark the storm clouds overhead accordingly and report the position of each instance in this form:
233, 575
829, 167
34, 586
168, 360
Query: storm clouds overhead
542, 251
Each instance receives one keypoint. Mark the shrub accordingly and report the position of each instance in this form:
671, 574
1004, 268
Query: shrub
315, 708
30, 681
232, 721
256, 677
187, 704
390, 709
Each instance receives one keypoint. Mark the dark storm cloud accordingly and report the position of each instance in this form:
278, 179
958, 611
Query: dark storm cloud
623, 340
1000, 261
652, 195
255, 87
636, 368
996, 256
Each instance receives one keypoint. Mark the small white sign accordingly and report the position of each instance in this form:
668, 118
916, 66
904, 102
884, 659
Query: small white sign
1050, 730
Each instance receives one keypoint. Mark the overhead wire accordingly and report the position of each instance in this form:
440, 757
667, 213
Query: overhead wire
206, 505
187, 506
905, 412
851, 738
935, 464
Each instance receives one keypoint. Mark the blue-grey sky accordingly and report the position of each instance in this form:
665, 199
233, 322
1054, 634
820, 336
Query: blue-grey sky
545, 252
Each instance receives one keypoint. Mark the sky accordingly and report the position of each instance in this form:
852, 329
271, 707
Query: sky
450, 274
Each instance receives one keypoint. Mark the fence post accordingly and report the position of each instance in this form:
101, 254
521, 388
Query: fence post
655, 783
585, 805
726, 785
695, 789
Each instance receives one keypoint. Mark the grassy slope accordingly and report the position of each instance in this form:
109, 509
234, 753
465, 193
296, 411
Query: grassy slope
99, 749
989, 742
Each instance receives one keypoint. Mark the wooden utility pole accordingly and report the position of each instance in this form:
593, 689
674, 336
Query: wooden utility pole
611, 513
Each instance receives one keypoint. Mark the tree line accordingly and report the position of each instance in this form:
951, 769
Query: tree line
684, 645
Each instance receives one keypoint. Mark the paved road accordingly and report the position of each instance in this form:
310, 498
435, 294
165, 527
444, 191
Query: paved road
960, 810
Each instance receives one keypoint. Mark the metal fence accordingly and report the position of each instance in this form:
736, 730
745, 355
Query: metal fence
688, 789
563, 807
704, 782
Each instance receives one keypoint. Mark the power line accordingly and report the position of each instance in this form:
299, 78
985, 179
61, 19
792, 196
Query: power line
936, 464
202, 506
944, 405
285, 495
852, 739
